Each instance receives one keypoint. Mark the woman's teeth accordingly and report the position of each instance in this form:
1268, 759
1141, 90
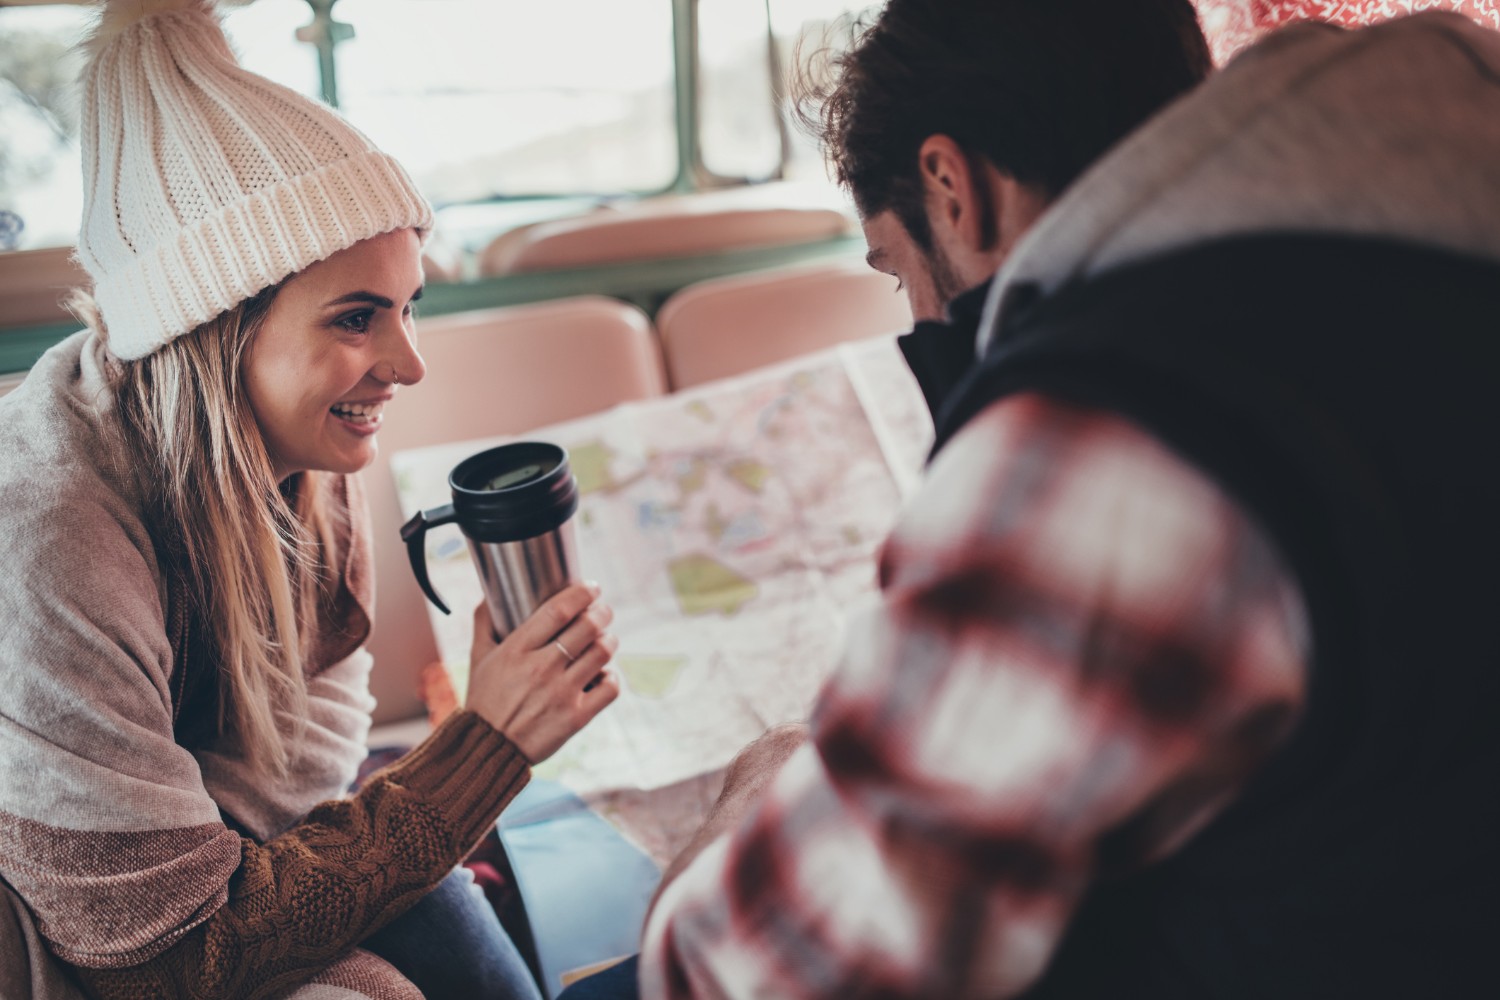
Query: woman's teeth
358, 413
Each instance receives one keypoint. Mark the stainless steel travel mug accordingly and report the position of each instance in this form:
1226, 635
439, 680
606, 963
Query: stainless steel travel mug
514, 505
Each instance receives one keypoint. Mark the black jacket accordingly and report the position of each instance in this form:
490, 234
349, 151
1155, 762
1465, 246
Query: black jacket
1344, 392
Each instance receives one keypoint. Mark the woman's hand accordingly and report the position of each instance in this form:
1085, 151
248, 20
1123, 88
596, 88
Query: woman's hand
549, 677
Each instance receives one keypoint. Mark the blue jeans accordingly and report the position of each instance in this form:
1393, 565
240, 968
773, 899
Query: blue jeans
618, 982
452, 947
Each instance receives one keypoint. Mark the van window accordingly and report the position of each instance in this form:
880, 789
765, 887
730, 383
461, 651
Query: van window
41, 198
809, 36
485, 98
480, 99
40, 201
264, 36
739, 131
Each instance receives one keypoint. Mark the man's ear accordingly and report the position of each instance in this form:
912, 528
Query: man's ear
953, 191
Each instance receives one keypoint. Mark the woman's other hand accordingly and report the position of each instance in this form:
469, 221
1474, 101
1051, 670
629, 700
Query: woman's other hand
550, 676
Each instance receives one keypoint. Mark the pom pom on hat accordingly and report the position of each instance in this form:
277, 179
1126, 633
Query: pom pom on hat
205, 183
117, 16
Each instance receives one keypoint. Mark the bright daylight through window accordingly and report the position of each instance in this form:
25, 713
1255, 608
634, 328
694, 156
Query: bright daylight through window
480, 99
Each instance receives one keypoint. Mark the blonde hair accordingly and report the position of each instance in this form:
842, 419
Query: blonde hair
254, 552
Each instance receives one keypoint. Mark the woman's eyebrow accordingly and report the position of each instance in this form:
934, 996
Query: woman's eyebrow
370, 297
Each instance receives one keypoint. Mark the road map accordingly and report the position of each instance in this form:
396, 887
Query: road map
734, 528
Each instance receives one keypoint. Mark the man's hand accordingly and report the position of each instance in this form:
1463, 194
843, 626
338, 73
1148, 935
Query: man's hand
745, 781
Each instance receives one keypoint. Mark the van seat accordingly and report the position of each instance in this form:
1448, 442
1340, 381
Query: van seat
680, 225
33, 284
441, 260
724, 326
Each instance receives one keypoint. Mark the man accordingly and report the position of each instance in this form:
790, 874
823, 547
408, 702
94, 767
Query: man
1179, 687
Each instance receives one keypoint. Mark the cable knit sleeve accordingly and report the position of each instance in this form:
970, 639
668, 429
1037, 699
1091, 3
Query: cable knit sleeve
305, 897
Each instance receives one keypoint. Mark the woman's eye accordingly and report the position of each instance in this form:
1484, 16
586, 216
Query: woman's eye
358, 322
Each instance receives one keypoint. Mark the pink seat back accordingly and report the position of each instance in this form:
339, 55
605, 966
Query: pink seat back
33, 284
492, 372
663, 227
441, 260
721, 327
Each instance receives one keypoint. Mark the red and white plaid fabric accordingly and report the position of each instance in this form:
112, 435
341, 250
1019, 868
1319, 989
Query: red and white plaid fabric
1230, 25
1083, 649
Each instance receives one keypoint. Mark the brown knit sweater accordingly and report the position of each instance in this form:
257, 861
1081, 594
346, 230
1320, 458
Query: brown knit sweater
352, 866
113, 804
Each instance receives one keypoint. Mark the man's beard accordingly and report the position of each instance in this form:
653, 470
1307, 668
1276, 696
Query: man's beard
946, 284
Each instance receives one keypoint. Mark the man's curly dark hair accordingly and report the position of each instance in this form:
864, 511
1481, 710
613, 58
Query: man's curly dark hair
1039, 88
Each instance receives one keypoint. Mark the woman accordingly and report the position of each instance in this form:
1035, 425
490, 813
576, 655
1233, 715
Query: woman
181, 673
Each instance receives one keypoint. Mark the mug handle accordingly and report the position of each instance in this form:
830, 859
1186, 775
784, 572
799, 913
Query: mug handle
414, 534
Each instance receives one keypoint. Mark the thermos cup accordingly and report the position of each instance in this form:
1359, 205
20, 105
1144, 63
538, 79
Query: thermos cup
514, 505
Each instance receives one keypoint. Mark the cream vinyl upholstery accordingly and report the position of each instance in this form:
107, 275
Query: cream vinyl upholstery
441, 261
492, 372
662, 227
33, 284
720, 327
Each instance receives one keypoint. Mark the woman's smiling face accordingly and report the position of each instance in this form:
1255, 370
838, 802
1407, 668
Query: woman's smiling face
337, 338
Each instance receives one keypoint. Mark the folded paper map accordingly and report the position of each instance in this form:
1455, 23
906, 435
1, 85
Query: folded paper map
734, 529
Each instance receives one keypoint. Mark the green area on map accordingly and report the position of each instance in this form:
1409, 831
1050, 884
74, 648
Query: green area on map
750, 474
694, 478
651, 676
590, 464
715, 523
703, 585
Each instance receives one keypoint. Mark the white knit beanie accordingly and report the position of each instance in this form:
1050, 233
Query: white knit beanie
205, 183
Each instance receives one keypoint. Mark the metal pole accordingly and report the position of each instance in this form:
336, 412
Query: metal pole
685, 62
778, 99
323, 34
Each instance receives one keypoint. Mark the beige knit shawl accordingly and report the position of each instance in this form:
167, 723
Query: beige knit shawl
110, 832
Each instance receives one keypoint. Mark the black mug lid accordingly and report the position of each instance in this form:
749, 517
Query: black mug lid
513, 492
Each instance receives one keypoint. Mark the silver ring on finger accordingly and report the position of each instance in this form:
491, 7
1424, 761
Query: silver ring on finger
564, 651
